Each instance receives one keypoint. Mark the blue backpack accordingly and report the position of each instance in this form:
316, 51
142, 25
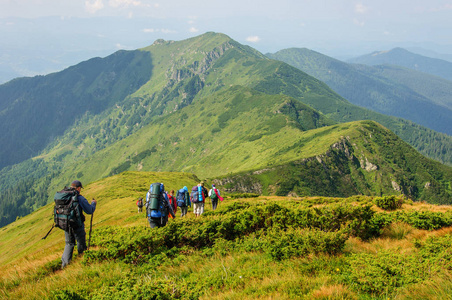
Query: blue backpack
180, 199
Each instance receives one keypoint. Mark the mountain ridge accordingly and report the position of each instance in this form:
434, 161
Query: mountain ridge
405, 58
240, 110
375, 88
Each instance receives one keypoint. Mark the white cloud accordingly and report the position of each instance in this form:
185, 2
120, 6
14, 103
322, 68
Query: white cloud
93, 7
165, 30
193, 30
360, 8
162, 30
253, 39
124, 3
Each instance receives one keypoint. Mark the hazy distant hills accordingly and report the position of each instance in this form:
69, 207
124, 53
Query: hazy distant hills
34, 111
407, 59
210, 106
391, 90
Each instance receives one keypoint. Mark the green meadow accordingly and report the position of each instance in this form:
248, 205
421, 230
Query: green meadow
251, 247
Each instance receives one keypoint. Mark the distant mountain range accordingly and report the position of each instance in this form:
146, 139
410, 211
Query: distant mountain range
209, 106
391, 90
407, 59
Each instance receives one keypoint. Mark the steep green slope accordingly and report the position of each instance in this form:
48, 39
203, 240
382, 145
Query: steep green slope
34, 111
235, 106
388, 93
239, 129
390, 90
407, 59
432, 87
367, 159
243, 130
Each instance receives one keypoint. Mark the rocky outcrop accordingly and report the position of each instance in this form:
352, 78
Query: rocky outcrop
241, 184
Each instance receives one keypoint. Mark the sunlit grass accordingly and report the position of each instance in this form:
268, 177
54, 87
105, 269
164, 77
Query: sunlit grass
31, 270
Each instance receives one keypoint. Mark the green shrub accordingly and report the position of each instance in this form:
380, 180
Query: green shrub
389, 202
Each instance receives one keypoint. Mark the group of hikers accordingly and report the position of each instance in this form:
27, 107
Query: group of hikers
70, 206
161, 205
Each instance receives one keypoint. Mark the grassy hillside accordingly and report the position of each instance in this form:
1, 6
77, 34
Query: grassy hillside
265, 247
235, 131
116, 195
34, 111
366, 159
211, 106
394, 91
432, 87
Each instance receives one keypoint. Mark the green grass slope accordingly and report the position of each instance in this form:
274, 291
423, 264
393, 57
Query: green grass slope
116, 195
229, 132
393, 91
265, 247
364, 159
211, 106
34, 111
235, 132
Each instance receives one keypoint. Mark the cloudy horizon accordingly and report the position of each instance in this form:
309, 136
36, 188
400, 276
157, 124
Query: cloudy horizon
335, 28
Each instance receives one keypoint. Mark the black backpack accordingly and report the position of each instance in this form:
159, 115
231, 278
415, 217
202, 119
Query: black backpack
67, 211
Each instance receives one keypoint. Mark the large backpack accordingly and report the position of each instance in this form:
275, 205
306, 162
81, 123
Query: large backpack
67, 211
181, 198
156, 206
197, 195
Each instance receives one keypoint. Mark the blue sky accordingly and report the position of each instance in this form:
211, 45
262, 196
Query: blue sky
339, 28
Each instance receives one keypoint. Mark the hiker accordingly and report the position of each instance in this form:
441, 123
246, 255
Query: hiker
172, 201
77, 234
157, 206
140, 204
204, 190
214, 195
183, 200
198, 196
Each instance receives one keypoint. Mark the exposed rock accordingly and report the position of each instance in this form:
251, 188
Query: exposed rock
261, 171
395, 186
239, 184
427, 185
367, 165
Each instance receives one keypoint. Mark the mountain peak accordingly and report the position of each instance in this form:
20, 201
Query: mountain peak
162, 42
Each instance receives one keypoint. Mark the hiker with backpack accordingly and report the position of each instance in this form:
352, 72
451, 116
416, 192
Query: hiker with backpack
214, 195
183, 200
140, 204
158, 206
198, 195
70, 218
172, 201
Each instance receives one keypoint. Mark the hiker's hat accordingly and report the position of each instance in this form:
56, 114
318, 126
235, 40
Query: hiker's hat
77, 184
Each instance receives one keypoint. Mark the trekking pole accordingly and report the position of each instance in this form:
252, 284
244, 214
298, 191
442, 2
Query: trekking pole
90, 229
48, 232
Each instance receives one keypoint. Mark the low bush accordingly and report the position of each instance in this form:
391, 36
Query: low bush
389, 202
